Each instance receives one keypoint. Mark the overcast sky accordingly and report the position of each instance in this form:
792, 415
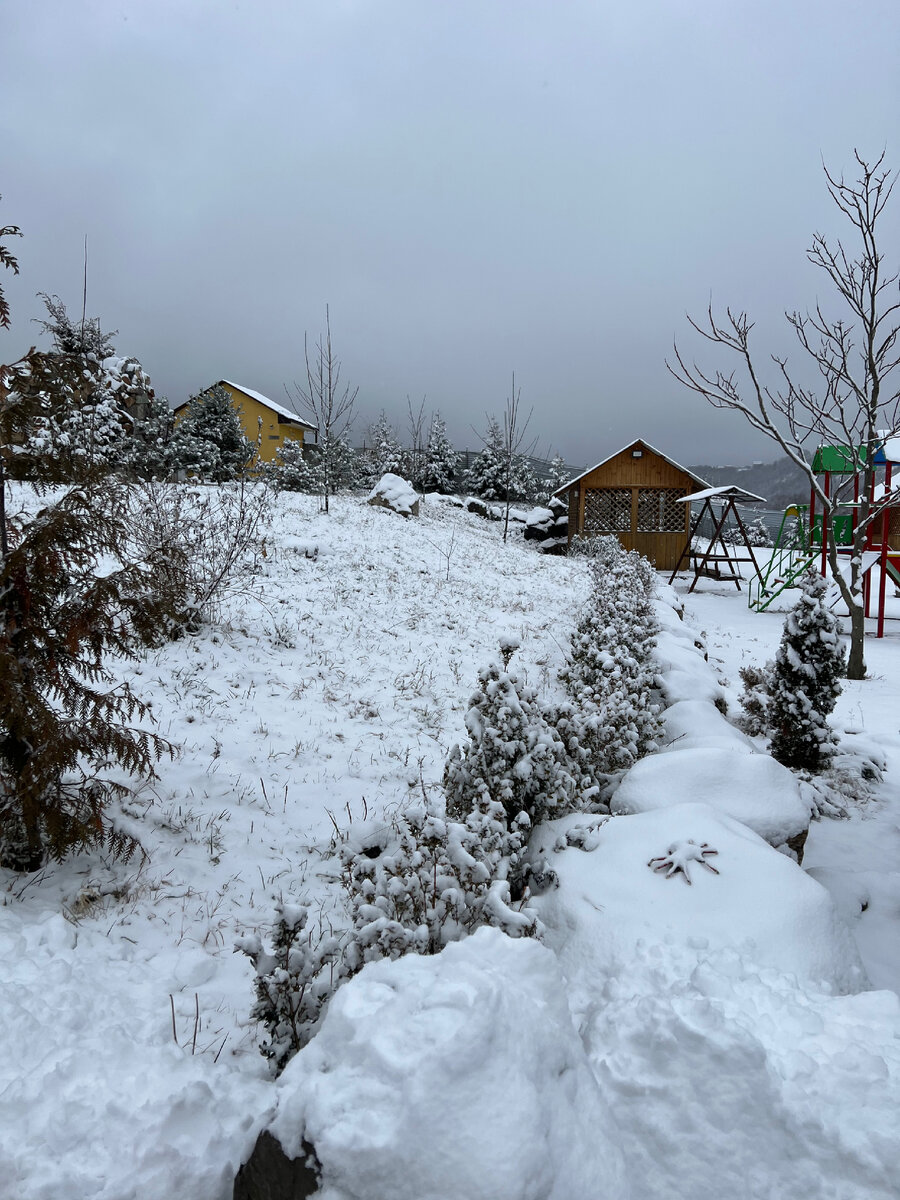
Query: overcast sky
473, 186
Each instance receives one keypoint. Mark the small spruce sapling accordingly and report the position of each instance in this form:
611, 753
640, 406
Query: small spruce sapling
513, 756
805, 682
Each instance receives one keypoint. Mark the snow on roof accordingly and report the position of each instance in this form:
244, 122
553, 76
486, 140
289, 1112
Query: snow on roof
278, 408
725, 492
671, 461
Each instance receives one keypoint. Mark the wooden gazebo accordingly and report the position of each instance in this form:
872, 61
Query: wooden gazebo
636, 494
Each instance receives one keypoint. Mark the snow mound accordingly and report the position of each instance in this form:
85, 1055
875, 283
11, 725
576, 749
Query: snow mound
395, 493
760, 904
453, 1077
693, 724
752, 788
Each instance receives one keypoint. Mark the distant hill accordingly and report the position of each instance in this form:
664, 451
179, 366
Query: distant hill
780, 482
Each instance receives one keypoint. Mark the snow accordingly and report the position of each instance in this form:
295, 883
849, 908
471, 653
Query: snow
712, 1040
752, 788
760, 906
455, 1077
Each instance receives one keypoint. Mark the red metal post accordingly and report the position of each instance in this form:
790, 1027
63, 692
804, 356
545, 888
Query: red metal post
882, 562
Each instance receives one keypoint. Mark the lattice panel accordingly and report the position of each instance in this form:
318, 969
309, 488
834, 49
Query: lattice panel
659, 510
894, 529
607, 510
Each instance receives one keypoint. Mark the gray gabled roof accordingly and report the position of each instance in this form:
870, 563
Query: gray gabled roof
671, 461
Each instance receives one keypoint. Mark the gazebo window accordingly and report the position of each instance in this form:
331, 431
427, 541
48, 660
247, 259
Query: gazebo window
607, 510
659, 510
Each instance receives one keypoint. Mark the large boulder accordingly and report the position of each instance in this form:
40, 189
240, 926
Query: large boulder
395, 493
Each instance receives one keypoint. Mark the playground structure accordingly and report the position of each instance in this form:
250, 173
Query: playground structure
803, 539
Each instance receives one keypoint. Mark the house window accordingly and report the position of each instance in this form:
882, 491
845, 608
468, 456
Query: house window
659, 510
273, 437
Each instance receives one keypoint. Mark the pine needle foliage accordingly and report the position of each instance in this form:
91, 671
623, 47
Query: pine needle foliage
805, 681
64, 721
610, 675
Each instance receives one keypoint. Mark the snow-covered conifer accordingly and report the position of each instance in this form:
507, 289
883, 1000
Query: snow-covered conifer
384, 454
512, 755
610, 675
441, 468
805, 681
295, 469
208, 440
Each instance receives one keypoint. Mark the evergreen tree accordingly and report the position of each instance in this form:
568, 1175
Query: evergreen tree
559, 474
512, 757
63, 720
441, 468
385, 454
805, 681
85, 401
9, 261
488, 475
295, 469
147, 453
208, 440
610, 675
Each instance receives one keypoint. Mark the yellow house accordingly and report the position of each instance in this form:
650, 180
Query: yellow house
261, 418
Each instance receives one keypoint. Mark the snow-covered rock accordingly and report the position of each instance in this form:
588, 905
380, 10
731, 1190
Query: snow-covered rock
751, 788
393, 492
453, 1077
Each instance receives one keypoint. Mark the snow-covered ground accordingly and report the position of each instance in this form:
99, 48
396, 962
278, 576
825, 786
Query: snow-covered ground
705, 1041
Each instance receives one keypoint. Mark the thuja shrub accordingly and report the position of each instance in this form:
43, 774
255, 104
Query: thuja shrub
512, 757
411, 885
610, 674
805, 680
64, 720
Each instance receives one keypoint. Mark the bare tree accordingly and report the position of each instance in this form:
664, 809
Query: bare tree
514, 430
416, 454
854, 408
328, 404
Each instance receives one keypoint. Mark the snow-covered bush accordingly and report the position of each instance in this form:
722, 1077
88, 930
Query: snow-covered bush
294, 469
512, 756
427, 882
294, 981
610, 675
754, 699
805, 680
412, 886
210, 537
757, 534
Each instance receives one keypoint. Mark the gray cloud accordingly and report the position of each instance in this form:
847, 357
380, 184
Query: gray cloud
473, 187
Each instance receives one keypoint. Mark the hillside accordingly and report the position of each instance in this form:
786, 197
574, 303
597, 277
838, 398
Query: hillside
659, 1041
780, 483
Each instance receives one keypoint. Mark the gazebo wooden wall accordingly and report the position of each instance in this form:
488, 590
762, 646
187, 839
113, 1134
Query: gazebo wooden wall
634, 494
